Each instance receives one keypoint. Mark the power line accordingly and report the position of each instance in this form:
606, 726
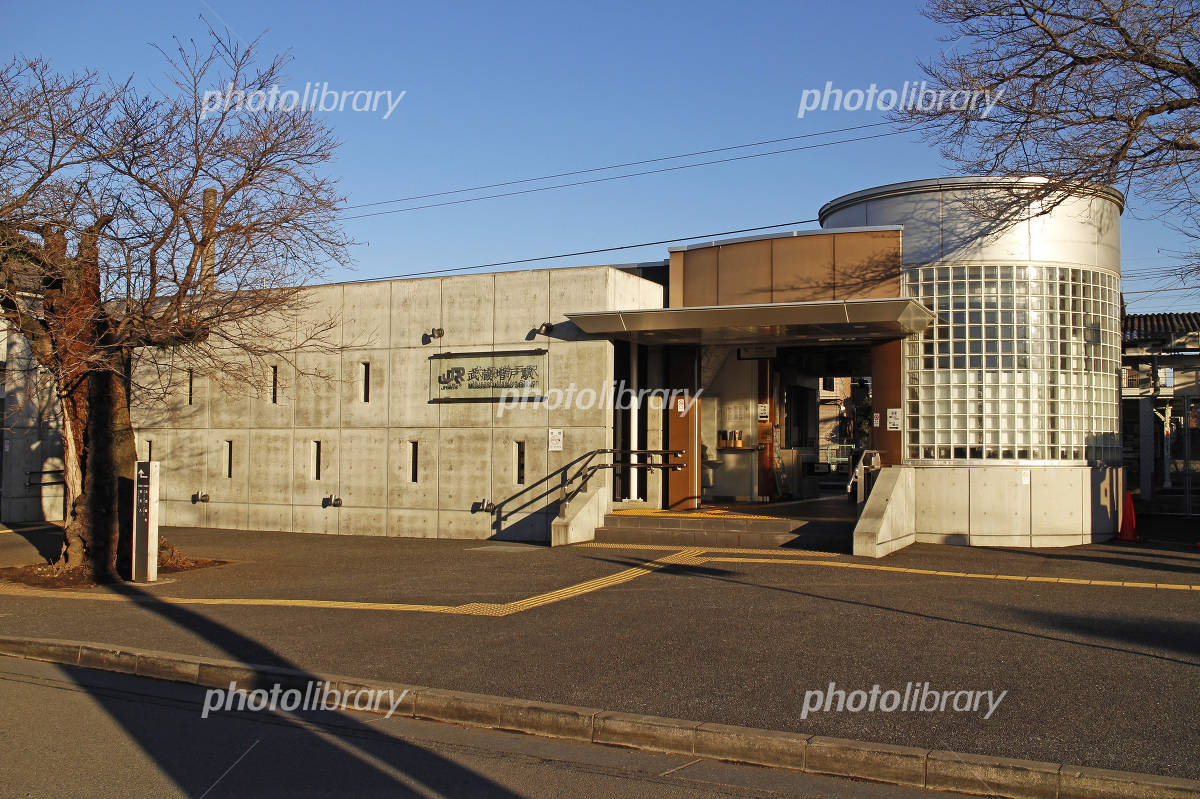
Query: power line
627, 175
613, 166
580, 252
1159, 291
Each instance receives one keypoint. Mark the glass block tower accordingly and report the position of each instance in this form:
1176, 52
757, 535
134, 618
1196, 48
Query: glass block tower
1022, 363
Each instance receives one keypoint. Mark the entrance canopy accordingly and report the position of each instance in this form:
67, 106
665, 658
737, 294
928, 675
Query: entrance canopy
832, 321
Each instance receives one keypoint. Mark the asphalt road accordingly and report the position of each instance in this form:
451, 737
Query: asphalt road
1097, 676
67, 731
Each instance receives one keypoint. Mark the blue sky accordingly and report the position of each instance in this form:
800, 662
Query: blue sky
507, 91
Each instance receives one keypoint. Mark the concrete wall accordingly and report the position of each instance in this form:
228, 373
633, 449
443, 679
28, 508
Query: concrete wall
32, 445
1016, 506
887, 520
251, 453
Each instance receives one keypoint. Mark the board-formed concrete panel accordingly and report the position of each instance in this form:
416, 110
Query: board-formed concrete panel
408, 389
464, 467
271, 467
362, 521
1057, 501
274, 406
412, 523
276, 518
408, 488
364, 388
464, 524
228, 467
366, 315
468, 305
227, 515
999, 502
311, 486
416, 310
522, 304
318, 390
943, 501
507, 493
365, 471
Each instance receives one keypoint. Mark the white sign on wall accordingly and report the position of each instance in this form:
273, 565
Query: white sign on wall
893, 418
555, 439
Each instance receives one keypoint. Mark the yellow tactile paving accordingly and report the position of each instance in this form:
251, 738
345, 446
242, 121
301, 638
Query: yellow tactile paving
677, 556
716, 513
731, 550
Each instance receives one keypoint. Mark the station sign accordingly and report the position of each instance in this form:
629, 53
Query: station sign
487, 376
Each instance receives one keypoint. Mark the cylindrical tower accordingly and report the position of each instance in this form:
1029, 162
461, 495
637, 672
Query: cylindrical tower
1022, 364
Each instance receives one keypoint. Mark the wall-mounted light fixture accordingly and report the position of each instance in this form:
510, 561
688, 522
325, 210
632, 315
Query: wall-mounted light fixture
331, 501
546, 328
437, 332
199, 496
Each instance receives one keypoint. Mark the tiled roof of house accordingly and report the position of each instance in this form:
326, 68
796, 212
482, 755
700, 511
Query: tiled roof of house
1158, 326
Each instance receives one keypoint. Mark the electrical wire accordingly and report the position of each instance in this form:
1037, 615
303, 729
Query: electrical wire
613, 166
622, 177
580, 252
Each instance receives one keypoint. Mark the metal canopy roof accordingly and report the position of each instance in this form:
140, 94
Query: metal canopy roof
829, 321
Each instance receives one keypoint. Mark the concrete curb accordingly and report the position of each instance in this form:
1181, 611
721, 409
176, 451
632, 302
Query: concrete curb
899, 765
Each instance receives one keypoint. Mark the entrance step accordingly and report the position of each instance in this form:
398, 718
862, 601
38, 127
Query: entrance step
725, 530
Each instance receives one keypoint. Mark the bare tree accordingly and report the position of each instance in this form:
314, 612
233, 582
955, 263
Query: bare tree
1085, 91
145, 224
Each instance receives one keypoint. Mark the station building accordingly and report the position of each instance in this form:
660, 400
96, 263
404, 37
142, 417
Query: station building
973, 367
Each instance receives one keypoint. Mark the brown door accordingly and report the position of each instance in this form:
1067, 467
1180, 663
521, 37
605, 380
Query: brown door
683, 432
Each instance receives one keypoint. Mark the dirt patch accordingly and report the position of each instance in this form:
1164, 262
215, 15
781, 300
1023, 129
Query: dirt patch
43, 575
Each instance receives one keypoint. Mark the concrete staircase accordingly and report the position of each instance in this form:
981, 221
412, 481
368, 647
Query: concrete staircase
725, 530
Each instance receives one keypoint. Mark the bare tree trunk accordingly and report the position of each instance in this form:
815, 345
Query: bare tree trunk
100, 459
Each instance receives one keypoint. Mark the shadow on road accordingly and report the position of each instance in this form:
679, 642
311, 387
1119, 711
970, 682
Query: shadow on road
372, 762
1183, 638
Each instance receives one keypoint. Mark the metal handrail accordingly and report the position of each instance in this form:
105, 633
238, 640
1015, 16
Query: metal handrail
573, 478
863, 474
588, 469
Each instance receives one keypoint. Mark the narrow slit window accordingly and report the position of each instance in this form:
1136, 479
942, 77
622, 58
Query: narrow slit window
315, 466
191, 375
149, 450
413, 461
366, 381
274, 385
519, 461
229, 459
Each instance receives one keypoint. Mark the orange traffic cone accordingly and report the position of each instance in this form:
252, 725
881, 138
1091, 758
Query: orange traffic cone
1128, 533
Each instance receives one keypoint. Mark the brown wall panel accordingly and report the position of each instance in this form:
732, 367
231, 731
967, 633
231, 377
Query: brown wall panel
700, 277
744, 273
675, 280
823, 266
887, 391
802, 268
867, 265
